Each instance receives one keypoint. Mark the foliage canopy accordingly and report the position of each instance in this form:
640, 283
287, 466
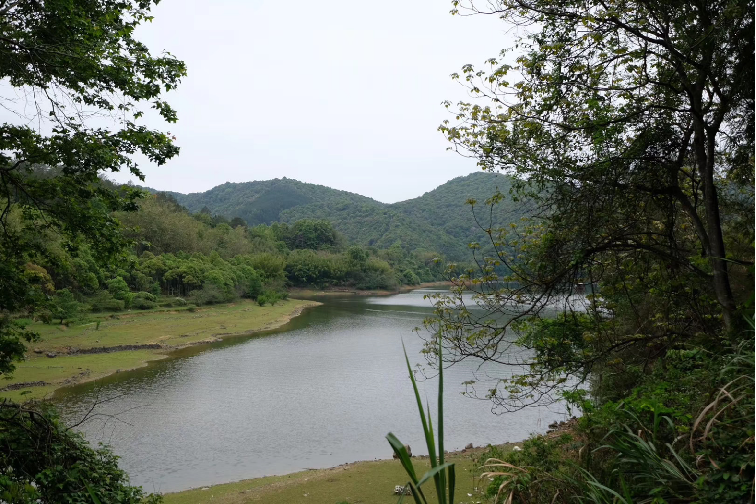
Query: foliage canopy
630, 125
76, 67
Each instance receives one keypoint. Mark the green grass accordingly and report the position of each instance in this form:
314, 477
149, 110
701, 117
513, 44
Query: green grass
369, 482
171, 329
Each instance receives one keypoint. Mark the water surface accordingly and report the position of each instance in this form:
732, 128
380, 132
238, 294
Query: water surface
321, 391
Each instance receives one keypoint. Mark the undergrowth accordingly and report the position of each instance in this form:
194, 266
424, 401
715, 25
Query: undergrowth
685, 434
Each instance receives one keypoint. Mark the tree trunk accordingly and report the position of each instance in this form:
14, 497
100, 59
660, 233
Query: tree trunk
704, 147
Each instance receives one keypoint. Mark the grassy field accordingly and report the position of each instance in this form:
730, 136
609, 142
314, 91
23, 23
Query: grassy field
170, 329
370, 482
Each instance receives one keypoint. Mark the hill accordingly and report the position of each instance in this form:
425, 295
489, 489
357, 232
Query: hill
437, 221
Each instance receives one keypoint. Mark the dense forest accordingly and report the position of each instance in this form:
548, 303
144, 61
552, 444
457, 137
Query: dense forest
436, 222
179, 258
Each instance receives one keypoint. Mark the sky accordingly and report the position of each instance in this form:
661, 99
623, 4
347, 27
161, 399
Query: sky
340, 93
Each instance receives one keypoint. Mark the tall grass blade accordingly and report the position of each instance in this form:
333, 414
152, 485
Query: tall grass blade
417, 495
441, 478
428, 437
452, 483
439, 468
432, 454
404, 458
432, 473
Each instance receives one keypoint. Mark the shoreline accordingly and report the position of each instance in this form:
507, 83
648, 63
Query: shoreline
125, 356
340, 291
342, 483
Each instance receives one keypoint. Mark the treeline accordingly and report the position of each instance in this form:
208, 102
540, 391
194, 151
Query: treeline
180, 258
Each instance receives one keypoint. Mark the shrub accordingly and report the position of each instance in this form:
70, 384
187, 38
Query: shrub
142, 303
50, 463
44, 316
64, 306
118, 288
410, 278
207, 295
254, 286
146, 295
271, 297
127, 299
104, 301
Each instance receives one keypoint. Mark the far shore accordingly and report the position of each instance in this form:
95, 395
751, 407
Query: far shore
70, 355
300, 292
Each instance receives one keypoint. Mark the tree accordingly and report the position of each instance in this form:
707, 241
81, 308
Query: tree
63, 305
237, 222
311, 234
630, 125
67, 61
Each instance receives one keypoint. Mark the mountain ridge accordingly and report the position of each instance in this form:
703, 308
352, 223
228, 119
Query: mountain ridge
437, 221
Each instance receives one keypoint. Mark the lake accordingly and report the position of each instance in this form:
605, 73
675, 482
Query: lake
321, 391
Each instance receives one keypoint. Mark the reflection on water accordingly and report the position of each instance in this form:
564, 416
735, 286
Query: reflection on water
322, 391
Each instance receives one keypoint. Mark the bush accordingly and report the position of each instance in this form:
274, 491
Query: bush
143, 301
207, 295
50, 463
44, 316
127, 299
104, 301
410, 278
254, 286
271, 297
118, 288
139, 303
146, 295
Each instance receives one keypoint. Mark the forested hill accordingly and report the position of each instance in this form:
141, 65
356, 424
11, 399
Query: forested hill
438, 221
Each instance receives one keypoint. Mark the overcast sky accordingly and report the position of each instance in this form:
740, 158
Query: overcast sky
340, 93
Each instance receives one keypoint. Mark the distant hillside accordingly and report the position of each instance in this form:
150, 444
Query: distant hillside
437, 221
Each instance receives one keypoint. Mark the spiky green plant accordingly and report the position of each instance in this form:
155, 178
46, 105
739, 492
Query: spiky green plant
441, 472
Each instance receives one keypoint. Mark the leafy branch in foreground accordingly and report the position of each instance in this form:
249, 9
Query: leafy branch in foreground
78, 85
43, 461
441, 472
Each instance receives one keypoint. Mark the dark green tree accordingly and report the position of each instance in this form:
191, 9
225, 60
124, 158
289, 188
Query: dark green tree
632, 124
71, 59
311, 234
236, 222
629, 125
